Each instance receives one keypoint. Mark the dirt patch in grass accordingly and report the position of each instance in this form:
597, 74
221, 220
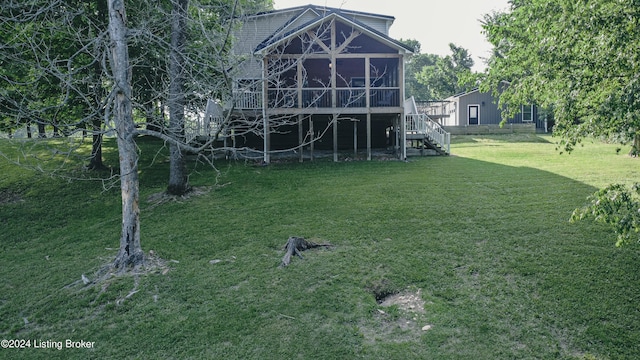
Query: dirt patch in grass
409, 301
400, 318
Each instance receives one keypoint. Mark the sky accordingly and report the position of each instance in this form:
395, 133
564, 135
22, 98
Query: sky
428, 21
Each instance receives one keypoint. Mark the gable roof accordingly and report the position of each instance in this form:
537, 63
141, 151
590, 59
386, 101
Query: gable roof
324, 14
476, 89
319, 10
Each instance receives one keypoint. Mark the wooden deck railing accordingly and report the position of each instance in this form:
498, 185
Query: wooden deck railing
435, 109
248, 100
318, 98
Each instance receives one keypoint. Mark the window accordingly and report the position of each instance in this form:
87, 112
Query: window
527, 113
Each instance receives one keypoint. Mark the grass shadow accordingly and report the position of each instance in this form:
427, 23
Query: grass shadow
501, 271
501, 138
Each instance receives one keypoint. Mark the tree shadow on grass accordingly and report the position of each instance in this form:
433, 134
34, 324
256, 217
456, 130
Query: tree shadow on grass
502, 244
501, 138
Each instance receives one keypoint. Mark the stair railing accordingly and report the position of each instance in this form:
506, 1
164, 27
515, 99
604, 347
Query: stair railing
423, 124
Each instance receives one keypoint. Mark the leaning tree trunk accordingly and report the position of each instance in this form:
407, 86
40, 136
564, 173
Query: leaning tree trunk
178, 183
130, 253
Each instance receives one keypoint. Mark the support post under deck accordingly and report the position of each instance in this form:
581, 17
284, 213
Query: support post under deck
368, 136
335, 137
300, 138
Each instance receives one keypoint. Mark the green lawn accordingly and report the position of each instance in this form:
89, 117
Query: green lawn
483, 236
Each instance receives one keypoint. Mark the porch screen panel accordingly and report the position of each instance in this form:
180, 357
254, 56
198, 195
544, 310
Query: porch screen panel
282, 75
316, 83
350, 79
385, 82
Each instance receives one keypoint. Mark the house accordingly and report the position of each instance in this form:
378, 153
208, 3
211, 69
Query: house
315, 78
478, 112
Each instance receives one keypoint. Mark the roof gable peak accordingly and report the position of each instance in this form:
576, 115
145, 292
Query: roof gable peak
320, 10
329, 16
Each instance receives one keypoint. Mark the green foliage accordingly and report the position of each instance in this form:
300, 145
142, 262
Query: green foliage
413, 43
413, 87
616, 206
448, 75
579, 58
432, 77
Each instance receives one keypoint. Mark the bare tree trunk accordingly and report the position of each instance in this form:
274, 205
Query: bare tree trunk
178, 184
130, 253
95, 160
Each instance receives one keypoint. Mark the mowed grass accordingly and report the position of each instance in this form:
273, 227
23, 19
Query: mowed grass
483, 236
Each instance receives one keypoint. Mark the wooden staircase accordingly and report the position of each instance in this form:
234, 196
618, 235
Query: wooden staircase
427, 134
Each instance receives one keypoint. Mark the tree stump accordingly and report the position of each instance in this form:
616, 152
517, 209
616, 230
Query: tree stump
295, 245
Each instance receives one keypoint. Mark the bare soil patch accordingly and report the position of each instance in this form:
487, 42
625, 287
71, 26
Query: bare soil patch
409, 301
406, 324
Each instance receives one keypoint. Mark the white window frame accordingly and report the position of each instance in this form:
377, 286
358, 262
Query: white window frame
522, 112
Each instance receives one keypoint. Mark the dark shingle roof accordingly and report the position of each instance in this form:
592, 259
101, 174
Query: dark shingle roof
321, 9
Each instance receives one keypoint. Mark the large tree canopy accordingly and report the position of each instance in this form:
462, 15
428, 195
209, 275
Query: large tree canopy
581, 59
434, 77
578, 57
415, 65
447, 75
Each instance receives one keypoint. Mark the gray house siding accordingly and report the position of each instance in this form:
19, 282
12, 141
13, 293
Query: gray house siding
255, 29
378, 24
488, 111
252, 32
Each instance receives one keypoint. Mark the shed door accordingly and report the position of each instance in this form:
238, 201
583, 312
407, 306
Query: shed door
474, 114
